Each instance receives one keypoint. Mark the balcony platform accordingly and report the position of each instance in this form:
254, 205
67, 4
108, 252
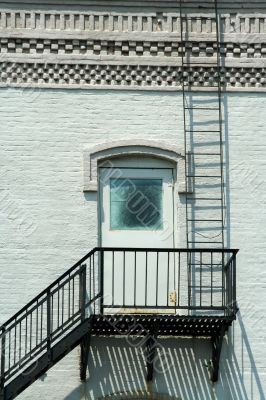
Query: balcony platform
159, 325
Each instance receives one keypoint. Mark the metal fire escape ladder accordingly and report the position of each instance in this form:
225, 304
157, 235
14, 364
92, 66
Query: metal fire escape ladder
204, 161
203, 138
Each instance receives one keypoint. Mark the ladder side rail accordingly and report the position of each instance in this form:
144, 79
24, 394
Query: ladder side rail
218, 50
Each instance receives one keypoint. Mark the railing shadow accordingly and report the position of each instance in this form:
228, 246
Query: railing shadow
116, 365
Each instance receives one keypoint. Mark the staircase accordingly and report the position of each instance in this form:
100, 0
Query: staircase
45, 330
74, 307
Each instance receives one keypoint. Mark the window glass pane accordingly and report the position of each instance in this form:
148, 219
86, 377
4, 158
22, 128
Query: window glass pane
136, 204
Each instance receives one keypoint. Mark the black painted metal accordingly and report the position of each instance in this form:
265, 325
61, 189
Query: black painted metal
151, 349
37, 368
165, 325
75, 306
204, 112
30, 339
212, 289
84, 354
217, 341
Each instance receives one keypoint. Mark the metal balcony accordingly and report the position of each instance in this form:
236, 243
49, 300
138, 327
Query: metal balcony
111, 291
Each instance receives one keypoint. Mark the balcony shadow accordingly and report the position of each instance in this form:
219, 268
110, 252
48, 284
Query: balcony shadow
117, 365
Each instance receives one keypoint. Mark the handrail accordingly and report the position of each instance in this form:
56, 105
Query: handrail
169, 249
50, 286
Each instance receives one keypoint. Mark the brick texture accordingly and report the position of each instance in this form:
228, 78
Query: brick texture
47, 223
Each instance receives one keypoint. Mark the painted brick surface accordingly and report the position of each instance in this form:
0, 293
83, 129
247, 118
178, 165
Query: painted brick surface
47, 223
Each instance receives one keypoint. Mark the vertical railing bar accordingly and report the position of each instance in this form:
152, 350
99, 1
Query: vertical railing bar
58, 306
93, 274
30, 331
26, 333
63, 306
157, 275
69, 295
48, 326
168, 271
174, 261
9, 348
37, 322
124, 277
234, 285
146, 277
189, 277
179, 274
3, 361
223, 288
231, 287
227, 273
73, 296
135, 277
82, 285
15, 343
211, 279
102, 281
230, 283
19, 350
113, 277
200, 279
90, 286
93, 263
41, 320
52, 312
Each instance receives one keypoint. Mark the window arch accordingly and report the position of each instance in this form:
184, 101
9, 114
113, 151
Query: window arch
94, 155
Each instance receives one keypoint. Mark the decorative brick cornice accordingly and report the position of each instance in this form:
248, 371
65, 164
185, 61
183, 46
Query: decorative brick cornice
128, 76
49, 21
128, 47
165, 48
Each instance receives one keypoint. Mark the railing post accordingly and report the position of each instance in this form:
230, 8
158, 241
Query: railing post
49, 324
234, 285
3, 359
227, 289
101, 281
82, 291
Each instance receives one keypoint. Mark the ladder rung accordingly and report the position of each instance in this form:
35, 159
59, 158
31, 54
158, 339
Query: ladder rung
206, 264
202, 131
203, 154
205, 287
201, 64
204, 176
197, 242
205, 220
204, 199
201, 108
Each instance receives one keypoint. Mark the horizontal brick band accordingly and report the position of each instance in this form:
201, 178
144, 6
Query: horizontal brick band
128, 76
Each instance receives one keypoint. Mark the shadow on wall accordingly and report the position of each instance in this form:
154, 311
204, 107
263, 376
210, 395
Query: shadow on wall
239, 376
117, 365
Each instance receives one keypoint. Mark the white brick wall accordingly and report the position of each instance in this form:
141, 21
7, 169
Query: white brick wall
46, 224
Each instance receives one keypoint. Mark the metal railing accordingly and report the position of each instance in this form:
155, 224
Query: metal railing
119, 280
176, 280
